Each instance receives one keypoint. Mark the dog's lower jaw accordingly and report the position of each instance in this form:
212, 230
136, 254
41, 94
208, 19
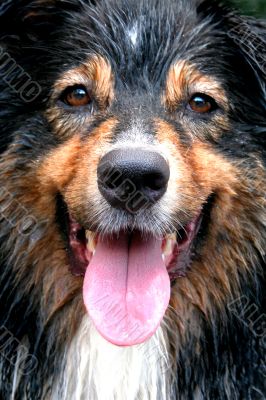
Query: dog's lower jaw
94, 369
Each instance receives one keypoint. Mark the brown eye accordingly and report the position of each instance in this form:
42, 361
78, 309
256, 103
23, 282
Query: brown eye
202, 103
76, 96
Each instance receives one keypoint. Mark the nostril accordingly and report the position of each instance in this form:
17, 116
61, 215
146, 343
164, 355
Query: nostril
155, 182
113, 180
109, 175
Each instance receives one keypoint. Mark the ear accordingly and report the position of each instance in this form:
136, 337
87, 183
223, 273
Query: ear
23, 16
249, 35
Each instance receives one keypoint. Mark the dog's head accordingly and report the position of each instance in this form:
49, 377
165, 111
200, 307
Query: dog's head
131, 166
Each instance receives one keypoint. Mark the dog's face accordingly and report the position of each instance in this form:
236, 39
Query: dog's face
139, 159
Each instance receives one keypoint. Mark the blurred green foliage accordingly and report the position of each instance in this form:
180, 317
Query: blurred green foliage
253, 7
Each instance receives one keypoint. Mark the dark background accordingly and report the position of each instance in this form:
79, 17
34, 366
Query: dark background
253, 7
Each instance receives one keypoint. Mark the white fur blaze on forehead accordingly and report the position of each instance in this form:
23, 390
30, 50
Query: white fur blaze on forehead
133, 34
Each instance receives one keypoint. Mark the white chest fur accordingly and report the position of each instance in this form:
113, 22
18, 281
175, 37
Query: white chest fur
93, 369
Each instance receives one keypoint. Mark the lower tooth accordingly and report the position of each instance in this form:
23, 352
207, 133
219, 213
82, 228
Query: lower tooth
169, 242
91, 241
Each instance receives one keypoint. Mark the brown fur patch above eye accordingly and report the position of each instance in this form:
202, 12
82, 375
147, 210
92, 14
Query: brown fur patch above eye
95, 74
184, 79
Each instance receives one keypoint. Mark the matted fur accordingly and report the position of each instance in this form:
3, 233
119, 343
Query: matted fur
142, 60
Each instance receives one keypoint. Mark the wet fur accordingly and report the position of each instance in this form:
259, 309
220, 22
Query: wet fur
211, 349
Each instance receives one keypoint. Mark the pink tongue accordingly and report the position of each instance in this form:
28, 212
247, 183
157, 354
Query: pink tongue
127, 288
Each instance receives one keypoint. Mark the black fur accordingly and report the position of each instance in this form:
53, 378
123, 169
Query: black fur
58, 38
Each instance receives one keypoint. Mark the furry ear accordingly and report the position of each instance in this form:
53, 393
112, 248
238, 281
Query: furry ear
8, 5
5, 6
249, 35
33, 15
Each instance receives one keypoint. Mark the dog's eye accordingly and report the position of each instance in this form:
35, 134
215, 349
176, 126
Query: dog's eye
76, 96
202, 103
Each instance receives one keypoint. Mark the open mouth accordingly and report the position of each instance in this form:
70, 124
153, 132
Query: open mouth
127, 277
175, 248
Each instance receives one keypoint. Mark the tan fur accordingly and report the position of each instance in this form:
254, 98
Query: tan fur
184, 80
96, 75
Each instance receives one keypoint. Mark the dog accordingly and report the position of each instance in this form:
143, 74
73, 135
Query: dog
132, 200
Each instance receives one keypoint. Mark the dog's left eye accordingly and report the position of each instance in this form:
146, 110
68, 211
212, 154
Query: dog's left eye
76, 96
202, 103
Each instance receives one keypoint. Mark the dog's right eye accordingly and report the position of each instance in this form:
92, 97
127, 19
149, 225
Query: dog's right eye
76, 96
202, 103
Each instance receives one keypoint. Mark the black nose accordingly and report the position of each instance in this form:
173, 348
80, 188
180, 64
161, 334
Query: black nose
132, 179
